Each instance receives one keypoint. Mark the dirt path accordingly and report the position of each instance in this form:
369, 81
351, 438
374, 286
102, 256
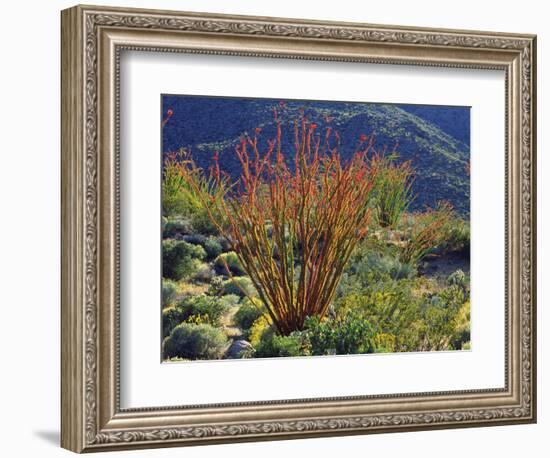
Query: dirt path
231, 330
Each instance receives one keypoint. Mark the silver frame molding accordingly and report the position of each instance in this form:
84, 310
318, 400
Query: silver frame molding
92, 40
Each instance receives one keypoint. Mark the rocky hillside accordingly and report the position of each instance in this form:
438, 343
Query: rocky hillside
435, 139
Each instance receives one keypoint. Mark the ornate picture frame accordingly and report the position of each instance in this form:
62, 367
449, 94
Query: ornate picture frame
92, 41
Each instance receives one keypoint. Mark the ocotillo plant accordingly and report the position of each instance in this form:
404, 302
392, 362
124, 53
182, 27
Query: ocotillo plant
173, 186
393, 189
295, 225
429, 230
185, 189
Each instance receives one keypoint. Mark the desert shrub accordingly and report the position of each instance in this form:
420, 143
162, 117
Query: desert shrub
392, 189
460, 279
195, 341
195, 239
260, 330
208, 309
216, 286
404, 317
180, 259
454, 296
461, 335
443, 327
174, 201
210, 244
241, 286
193, 309
347, 334
248, 313
176, 227
384, 343
224, 242
458, 237
202, 223
203, 273
175, 360
230, 300
212, 247
228, 263
185, 191
171, 317
390, 307
191, 288
169, 291
367, 266
425, 233
273, 346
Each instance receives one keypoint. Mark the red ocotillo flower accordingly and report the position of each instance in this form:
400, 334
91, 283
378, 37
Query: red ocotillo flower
169, 114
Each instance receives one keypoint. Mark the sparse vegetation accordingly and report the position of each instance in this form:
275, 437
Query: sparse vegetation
195, 341
169, 290
180, 259
309, 254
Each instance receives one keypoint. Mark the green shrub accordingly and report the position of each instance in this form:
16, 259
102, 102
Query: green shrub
194, 309
247, 314
461, 336
229, 261
176, 227
184, 189
171, 317
460, 279
208, 309
273, 346
224, 242
180, 259
195, 239
458, 237
442, 326
216, 286
404, 314
202, 223
212, 247
175, 360
384, 343
230, 300
260, 330
195, 341
169, 290
241, 286
392, 309
204, 273
349, 334
366, 267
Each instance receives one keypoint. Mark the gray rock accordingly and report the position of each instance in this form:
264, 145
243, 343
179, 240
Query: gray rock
239, 349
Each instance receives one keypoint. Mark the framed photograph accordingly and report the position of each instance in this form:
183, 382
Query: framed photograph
278, 228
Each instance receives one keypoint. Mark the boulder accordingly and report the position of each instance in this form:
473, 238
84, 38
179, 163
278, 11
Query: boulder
239, 349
